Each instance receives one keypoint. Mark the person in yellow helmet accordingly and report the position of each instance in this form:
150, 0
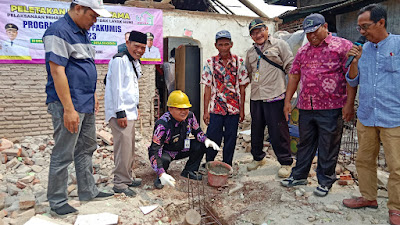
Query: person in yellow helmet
171, 141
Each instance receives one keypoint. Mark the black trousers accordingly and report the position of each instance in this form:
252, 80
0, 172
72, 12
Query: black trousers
322, 130
195, 154
270, 114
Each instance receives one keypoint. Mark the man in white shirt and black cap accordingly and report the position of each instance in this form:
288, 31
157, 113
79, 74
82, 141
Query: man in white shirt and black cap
121, 109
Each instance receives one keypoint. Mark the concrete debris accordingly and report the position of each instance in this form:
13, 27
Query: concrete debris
5, 144
254, 197
383, 178
26, 201
331, 208
12, 152
97, 219
105, 136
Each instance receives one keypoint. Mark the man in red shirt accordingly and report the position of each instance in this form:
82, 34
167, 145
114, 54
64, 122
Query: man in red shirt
323, 103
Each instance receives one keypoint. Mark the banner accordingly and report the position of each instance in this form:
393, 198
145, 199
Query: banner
23, 23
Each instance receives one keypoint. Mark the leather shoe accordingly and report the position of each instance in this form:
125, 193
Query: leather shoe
394, 217
192, 175
135, 183
127, 191
360, 202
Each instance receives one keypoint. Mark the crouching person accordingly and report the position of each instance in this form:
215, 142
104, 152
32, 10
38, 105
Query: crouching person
171, 141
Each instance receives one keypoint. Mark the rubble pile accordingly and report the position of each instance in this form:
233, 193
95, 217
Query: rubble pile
254, 197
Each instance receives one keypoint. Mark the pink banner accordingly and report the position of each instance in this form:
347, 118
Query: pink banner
23, 23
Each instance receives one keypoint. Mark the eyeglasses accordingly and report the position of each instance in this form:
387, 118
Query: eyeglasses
255, 34
364, 26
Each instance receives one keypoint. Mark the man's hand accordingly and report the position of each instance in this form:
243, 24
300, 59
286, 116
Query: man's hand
287, 110
208, 143
241, 114
138, 114
206, 118
122, 122
71, 120
96, 104
355, 51
348, 111
165, 178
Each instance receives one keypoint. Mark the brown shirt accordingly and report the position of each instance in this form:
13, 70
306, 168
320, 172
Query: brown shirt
271, 82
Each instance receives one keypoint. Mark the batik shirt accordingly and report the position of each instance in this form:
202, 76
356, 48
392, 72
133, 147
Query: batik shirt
322, 74
169, 136
224, 82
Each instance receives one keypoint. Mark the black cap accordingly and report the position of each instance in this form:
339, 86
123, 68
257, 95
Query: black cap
255, 24
149, 35
11, 26
138, 37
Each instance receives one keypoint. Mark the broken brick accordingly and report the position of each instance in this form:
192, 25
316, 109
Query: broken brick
26, 201
21, 185
12, 152
105, 136
27, 179
35, 181
5, 144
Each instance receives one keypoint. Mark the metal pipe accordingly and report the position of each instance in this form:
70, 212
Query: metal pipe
253, 8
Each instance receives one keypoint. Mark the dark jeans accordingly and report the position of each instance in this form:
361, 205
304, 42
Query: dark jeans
195, 154
270, 114
71, 147
222, 126
322, 130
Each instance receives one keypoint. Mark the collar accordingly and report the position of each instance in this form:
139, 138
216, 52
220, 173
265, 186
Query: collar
327, 40
75, 27
267, 42
129, 55
219, 57
383, 41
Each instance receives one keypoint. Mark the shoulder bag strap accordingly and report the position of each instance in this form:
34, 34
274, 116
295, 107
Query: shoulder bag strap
269, 61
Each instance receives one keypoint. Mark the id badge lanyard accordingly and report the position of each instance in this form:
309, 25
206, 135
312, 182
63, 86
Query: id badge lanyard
187, 140
256, 75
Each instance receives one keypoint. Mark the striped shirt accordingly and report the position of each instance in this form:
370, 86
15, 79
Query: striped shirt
69, 46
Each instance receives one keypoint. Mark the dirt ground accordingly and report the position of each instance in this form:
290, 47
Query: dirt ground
254, 197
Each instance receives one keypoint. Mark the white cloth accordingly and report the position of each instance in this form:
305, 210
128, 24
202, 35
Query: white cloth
13, 49
152, 53
122, 89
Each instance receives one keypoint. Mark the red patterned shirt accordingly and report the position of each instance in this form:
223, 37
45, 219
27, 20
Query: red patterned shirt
224, 82
322, 74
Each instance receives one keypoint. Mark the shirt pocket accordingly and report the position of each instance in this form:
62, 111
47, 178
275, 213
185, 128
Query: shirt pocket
273, 55
392, 63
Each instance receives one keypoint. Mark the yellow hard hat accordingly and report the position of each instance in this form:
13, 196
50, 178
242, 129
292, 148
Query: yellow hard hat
178, 99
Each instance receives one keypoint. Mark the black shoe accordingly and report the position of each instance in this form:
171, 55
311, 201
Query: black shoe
64, 210
157, 184
127, 191
102, 196
192, 175
135, 183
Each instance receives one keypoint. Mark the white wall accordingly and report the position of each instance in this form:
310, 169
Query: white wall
204, 26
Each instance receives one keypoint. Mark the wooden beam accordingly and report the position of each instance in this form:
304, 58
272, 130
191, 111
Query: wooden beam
142, 4
253, 8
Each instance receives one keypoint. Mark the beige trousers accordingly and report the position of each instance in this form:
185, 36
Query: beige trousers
369, 139
124, 147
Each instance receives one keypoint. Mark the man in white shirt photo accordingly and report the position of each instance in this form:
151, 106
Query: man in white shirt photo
14, 47
152, 52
